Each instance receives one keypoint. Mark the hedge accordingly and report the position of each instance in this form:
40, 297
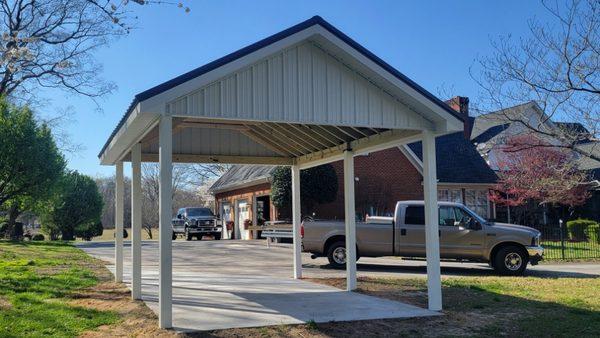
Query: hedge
577, 228
592, 232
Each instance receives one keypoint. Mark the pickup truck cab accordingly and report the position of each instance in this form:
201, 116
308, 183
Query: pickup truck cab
196, 222
464, 236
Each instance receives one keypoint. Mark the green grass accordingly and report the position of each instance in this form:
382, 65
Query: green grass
573, 250
36, 280
539, 306
512, 306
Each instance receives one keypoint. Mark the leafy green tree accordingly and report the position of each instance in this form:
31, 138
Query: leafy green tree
317, 185
30, 162
75, 209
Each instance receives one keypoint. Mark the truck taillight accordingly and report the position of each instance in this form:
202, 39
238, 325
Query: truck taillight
302, 230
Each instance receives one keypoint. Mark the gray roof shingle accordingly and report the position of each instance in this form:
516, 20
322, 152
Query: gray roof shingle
457, 160
242, 174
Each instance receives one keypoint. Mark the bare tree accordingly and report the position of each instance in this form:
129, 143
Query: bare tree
558, 67
50, 44
206, 172
182, 193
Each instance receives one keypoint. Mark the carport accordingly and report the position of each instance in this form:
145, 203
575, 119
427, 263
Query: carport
303, 97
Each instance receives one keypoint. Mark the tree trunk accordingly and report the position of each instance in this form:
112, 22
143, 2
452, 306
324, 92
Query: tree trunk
11, 230
68, 235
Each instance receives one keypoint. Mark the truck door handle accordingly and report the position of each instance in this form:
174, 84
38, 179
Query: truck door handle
402, 232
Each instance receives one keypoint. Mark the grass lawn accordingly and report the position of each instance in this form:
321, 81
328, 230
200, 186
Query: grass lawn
573, 250
474, 306
54, 289
109, 235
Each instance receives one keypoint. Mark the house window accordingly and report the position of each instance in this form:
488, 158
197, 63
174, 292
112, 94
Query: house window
477, 200
450, 195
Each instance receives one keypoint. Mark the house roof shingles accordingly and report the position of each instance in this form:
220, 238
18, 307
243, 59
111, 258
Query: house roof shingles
457, 160
239, 175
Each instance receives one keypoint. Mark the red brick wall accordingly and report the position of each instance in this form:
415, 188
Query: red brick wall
384, 177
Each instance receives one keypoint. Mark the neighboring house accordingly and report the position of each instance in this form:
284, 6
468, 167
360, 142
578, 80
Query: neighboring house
382, 178
491, 131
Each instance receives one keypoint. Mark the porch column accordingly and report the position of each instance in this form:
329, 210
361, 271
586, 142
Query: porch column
136, 221
296, 221
350, 216
119, 211
432, 239
165, 272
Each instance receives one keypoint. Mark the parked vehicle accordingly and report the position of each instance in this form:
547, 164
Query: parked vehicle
196, 222
464, 236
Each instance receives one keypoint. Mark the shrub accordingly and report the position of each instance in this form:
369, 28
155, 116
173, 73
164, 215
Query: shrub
38, 237
577, 228
592, 232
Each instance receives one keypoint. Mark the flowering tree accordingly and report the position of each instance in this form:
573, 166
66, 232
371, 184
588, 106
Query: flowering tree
543, 174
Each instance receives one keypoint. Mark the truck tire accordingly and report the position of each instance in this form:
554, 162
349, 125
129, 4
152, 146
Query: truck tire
217, 237
188, 236
511, 260
174, 236
336, 254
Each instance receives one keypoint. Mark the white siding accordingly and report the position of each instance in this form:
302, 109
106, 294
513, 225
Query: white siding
302, 84
203, 141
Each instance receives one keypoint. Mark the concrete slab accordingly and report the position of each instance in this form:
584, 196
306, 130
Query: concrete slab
229, 284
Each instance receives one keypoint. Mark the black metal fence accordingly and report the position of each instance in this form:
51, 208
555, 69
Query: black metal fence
561, 243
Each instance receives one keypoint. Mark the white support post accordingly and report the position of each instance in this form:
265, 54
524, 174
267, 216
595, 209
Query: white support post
136, 221
432, 238
119, 212
296, 221
350, 216
165, 250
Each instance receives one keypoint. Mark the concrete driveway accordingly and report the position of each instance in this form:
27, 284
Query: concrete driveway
227, 284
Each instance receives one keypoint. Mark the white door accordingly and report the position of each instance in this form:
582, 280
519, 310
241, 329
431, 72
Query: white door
226, 218
242, 215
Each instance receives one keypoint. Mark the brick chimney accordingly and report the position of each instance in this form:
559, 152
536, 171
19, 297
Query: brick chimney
461, 105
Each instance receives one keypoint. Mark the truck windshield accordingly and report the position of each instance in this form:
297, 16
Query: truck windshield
195, 212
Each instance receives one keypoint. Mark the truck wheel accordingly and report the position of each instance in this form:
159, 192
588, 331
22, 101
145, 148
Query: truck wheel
188, 236
511, 260
217, 237
174, 236
336, 254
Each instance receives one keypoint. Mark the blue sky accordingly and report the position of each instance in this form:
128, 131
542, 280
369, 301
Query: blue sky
433, 42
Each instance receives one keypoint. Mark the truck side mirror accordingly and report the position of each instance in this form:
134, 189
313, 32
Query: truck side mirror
179, 216
474, 225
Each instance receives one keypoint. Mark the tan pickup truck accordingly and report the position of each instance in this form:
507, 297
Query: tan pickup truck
464, 236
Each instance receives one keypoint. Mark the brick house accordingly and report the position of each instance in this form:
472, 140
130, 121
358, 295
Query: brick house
382, 178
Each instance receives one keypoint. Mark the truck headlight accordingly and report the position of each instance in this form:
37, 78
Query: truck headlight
535, 240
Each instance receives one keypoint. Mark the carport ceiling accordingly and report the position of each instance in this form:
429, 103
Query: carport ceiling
245, 139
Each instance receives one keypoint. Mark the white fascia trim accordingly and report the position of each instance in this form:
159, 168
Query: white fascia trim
452, 122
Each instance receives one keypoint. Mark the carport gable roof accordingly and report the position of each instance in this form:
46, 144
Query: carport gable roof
142, 97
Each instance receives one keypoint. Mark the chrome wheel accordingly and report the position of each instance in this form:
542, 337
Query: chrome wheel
513, 261
339, 255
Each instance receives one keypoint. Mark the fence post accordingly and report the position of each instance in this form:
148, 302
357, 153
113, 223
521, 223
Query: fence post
562, 238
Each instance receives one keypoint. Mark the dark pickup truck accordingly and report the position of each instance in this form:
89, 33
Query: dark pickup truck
196, 222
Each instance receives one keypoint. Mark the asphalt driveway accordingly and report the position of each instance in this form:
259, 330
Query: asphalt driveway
227, 284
